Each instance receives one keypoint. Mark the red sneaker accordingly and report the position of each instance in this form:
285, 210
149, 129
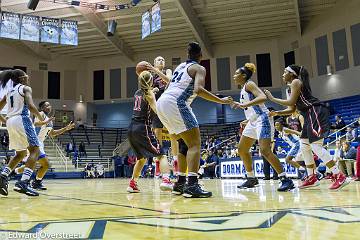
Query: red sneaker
166, 185
340, 181
157, 168
310, 181
329, 176
133, 188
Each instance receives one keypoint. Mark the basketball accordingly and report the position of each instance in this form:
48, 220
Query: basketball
141, 66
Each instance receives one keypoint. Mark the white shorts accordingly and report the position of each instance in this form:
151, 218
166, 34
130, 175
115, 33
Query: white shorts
261, 128
176, 119
21, 133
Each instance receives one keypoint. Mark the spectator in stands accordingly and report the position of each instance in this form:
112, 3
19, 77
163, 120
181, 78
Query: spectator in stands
99, 150
211, 161
80, 123
2, 164
349, 136
357, 132
99, 170
65, 120
339, 124
347, 156
82, 150
5, 142
69, 148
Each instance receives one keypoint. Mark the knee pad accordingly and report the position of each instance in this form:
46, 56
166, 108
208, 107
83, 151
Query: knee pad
320, 151
183, 148
306, 152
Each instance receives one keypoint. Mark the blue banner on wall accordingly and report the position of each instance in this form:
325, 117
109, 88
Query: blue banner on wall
69, 33
30, 28
146, 26
49, 30
156, 18
10, 25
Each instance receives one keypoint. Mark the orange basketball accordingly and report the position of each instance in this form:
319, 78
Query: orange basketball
141, 66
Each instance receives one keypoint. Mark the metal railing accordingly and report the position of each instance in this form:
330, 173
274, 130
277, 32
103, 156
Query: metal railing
59, 154
339, 136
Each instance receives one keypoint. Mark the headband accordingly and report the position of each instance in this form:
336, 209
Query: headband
289, 69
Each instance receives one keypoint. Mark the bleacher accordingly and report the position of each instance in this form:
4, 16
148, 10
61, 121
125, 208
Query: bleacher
92, 138
348, 108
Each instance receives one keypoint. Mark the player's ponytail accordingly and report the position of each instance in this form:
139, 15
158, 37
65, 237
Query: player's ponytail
304, 78
146, 81
5, 76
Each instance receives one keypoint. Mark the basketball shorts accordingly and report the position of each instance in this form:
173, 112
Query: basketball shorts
143, 141
261, 128
316, 123
21, 133
294, 151
156, 123
176, 117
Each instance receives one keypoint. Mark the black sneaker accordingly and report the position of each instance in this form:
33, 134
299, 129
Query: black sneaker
178, 188
38, 185
23, 187
286, 184
250, 182
195, 191
4, 184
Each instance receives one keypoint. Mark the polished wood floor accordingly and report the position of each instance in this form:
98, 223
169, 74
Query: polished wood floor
101, 209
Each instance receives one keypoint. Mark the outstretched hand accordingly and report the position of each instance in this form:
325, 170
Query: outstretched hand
268, 94
227, 100
237, 105
70, 126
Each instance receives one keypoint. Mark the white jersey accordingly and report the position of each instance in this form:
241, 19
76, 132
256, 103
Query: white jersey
181, 86
290, 139
43, 131
3, 92
16, 102
253, 112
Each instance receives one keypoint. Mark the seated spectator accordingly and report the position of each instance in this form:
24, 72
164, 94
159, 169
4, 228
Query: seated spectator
339, 124
89, 171
99, 170
356, 131
5, 141
201, 168
347, 154
349, 136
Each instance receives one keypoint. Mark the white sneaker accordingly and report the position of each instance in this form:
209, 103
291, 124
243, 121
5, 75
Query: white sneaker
166, 185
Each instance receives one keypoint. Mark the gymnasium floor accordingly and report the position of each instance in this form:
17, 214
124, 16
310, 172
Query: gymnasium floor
101, 209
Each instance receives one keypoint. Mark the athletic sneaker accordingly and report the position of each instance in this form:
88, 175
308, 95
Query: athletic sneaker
339, 180
250, 182
166, 185
195, 191
4, 185
329, 176
178, 188
24, 188
310, 181
38, 185
133, 187
355, 178
286, 184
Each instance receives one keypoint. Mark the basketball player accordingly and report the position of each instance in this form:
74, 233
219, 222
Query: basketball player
259, 127
43, 131
316, 124
161, 78
291, 137
175, 113
140, 135
21, 130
